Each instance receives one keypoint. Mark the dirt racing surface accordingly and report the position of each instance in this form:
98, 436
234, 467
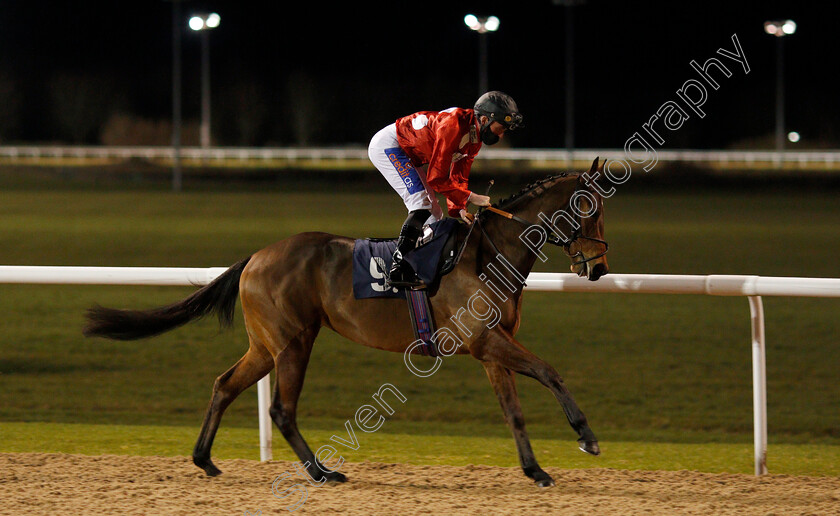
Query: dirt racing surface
40, 483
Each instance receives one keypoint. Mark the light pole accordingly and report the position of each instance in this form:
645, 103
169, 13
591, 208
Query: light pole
176, 96
482, 25
570, 81
780, 29
203, 23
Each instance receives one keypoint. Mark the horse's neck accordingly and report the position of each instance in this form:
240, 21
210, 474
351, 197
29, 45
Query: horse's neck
506, 233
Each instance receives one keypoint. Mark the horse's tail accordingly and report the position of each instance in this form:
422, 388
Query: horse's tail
219, 297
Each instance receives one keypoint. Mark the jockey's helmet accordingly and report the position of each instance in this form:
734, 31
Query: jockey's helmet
499, 107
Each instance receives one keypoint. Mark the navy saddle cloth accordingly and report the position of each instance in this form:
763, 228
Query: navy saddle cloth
372, 260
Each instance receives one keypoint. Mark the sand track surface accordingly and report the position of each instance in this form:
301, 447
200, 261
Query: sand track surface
48, 483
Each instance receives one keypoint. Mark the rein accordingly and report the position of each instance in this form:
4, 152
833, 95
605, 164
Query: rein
552, 238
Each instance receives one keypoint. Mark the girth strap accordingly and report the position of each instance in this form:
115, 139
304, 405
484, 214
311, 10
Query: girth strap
422, 320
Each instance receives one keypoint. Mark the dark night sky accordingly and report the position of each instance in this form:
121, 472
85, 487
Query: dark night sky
370, 62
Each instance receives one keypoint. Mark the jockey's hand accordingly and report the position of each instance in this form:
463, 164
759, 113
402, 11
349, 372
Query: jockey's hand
467, 216
479, 200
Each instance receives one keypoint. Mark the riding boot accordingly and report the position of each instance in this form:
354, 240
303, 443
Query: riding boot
402, 275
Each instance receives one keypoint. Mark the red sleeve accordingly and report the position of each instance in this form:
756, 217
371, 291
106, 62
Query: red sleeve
460, 176
441, 176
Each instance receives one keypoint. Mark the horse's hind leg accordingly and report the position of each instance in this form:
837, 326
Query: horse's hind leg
500, 347
290, 366
503, 384
245, 373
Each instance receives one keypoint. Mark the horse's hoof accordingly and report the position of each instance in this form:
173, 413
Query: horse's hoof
590, 447
540, 477
335, 478
545, 482
207, 465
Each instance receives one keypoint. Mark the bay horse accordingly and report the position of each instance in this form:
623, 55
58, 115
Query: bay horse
293, 288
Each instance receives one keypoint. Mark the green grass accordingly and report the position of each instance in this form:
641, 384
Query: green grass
410, 448
650, 370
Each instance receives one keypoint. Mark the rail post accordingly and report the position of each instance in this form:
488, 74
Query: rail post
263, 400
759, 384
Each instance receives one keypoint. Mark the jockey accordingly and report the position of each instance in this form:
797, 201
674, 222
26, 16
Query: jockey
447, 141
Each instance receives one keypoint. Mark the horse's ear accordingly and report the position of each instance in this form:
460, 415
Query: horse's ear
594, 166
603, 166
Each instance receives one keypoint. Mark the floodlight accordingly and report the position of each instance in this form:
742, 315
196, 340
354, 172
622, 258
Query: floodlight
472, 22
196, 23
203, 23
780, 28
482, 24
789, 27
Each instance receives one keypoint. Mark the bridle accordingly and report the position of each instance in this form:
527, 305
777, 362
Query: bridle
552, 237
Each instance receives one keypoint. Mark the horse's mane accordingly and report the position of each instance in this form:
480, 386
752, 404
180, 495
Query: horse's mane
529, 191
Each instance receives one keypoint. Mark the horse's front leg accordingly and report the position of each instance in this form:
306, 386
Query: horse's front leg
497, 345
503, 384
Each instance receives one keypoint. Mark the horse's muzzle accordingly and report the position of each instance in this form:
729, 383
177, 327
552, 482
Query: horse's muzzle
597, 271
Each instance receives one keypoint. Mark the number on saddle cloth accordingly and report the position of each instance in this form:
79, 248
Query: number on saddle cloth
372, 259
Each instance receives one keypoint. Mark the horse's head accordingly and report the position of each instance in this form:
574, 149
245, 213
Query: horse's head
587, 247
564, 211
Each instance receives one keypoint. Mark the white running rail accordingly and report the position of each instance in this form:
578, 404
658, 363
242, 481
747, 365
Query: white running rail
752, 287
35, 153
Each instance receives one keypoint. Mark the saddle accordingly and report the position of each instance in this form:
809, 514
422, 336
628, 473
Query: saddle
435, 256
